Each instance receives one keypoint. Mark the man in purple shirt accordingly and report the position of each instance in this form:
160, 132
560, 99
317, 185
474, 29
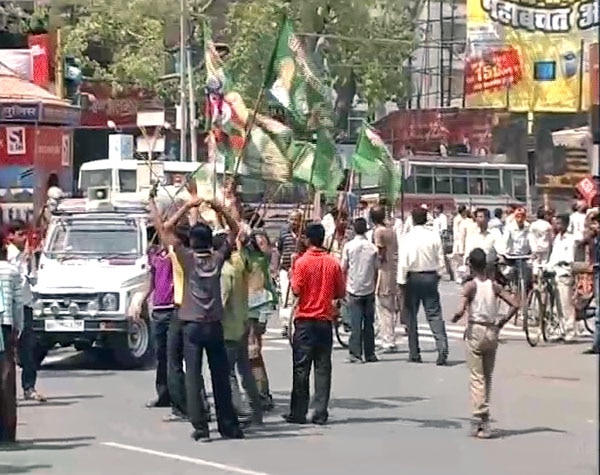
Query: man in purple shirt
168, 339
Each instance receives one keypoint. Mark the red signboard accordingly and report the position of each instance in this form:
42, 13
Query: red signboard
594, 74
497, 72
587, 189
40, 48
424, 130
121, 108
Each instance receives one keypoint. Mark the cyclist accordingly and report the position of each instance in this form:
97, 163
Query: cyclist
517, 244
560, 261
541, 237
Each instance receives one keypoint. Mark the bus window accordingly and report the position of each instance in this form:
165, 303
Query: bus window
94, 178
409, 183
520, 185
127, 181
424, 184
442, 185
460, 185
491, 186
475, 185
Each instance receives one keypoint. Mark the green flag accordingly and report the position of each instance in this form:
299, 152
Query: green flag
268, 153
296, 83
318, 164
371, 157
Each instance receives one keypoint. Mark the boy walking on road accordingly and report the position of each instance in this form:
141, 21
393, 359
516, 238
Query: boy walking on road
480, 304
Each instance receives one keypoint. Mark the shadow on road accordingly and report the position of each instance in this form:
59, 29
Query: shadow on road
14, 469
95, 359
67, 443
60, 401
502, 433
359, 404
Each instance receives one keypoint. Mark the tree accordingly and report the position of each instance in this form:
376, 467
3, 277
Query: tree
125, 43
365, 45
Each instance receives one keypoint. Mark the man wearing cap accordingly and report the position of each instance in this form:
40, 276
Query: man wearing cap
201, 313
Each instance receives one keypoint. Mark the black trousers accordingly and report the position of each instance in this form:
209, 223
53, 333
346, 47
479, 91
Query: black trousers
311, 345
362, 318
198, 338
26, 351
422, 287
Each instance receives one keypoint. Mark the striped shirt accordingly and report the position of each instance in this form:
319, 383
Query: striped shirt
286, 245
12, 291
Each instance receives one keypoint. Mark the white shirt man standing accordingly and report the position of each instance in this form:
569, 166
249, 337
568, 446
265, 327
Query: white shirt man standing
420, 265
541, 237
560, 261
360, 266
484, 238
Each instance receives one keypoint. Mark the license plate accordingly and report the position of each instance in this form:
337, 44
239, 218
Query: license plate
65, 325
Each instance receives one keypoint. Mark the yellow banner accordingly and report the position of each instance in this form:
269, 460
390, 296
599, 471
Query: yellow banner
529, 55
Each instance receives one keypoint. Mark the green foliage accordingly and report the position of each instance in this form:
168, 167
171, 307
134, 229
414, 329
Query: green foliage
124, 43
369, 39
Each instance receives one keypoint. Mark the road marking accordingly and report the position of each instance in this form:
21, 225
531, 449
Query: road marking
183, 458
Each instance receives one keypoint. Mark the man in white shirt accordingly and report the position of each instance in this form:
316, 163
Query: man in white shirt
440, 221
561, 260
420, 264
360, 266
540, 237
496, 221
18, 256
486, 239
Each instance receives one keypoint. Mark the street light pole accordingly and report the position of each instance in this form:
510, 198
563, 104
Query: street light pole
182, 72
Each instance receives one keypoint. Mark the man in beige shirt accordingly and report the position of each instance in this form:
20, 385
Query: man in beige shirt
384, 238
420, 264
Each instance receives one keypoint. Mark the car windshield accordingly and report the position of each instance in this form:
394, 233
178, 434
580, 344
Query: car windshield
98, 239
94, 178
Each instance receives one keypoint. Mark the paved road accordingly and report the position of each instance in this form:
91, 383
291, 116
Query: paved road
389, 416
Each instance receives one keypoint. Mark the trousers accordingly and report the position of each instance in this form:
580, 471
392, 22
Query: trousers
26, 349
422, 287
386, 310
482, 344
312, 345
200, 337
8, 387
361, 309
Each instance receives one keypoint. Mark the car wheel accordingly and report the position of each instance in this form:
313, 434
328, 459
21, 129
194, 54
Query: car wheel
134, 350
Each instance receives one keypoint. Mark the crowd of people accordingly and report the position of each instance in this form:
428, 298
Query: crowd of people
211, 291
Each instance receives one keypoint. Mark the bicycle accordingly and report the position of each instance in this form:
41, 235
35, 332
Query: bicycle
535, 302
551, 325
341, 328
516, 283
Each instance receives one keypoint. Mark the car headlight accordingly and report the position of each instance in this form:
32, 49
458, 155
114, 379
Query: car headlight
93, 308
110, 302
38, 308
73, 309
55, 308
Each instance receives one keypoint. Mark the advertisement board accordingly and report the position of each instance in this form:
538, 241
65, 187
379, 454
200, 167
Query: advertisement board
529, 55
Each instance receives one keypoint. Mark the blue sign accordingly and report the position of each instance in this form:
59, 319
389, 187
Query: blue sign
544, 71
19, 112
63, 115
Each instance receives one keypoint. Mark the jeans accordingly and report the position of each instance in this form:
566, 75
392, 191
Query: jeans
160, 323
311, 345
237, 355
26, 349
361, 309
422, 287
175, 373
199, 337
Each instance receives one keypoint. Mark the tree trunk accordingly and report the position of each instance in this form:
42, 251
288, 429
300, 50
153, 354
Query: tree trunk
345, 90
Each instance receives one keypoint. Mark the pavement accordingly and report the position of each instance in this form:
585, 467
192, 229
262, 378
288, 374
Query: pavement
390, 416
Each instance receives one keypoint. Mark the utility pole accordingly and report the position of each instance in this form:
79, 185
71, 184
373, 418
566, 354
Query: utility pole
192, 109
182, 72
59, 73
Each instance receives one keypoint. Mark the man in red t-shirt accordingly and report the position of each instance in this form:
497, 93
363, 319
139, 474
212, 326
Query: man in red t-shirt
316, 281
